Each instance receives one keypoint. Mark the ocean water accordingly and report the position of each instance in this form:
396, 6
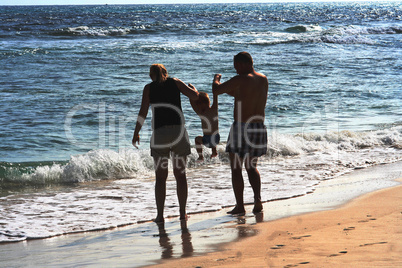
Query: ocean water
71, 84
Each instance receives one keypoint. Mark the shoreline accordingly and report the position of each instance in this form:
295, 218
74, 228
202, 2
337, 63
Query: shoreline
365, 232
206, 235
328, 220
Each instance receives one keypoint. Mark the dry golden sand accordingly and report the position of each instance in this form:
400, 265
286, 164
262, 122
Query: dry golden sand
366, 232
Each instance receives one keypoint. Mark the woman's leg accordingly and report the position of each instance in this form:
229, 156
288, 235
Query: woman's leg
161, 174
179, 171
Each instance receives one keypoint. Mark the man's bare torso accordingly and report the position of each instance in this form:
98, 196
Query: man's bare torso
250, 97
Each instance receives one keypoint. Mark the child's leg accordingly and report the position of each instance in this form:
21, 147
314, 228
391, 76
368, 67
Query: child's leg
215, 140
198, 147
214, 152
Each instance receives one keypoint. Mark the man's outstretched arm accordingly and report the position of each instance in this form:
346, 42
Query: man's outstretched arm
227, 87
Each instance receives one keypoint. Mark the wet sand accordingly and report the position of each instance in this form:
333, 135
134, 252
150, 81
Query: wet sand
314, 230
366, 232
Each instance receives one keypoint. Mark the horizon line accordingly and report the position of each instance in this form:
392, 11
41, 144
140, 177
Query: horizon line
201, 3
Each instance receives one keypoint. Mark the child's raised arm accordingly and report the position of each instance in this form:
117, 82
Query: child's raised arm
215, 102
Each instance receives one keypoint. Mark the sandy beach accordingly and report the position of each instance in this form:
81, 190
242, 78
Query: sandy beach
365, 232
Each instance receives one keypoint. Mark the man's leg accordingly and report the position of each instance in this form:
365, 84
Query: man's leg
255, 181
236, 163
179, 171
161, 174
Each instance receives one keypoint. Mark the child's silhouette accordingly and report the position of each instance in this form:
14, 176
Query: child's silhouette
209, 123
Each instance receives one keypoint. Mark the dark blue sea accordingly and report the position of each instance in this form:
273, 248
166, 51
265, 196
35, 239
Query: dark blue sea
71, 81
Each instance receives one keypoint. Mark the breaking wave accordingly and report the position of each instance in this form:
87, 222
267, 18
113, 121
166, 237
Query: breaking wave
104, 164
91, 31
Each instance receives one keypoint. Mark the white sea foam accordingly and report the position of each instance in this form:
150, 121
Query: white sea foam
293, 167
316, 34
92, 31
105, 164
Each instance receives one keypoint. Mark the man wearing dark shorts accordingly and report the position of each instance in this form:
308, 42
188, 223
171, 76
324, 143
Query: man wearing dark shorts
248, 135
247, 139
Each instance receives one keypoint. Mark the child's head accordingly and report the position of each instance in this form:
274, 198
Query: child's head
203, 99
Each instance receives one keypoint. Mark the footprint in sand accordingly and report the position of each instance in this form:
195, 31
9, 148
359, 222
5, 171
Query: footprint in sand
370, 244
337, 254
368, 216
278, 247
300, 237
294, 265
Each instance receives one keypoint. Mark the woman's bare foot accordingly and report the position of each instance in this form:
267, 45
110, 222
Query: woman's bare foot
237, 211
257, 206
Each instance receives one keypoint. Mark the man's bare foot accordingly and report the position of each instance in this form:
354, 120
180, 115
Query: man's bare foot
237, 211
257, 206
200, 159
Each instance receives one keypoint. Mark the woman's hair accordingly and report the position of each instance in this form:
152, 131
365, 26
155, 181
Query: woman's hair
159, 71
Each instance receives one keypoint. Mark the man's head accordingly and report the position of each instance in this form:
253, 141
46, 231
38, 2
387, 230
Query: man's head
243, 63
243, 57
